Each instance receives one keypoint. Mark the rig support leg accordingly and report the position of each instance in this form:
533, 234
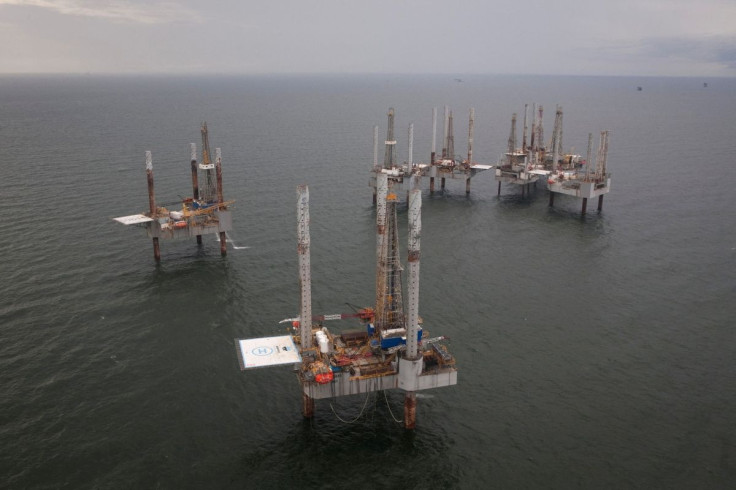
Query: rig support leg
585, 205
156, 250
199, 239
431, 185
499, 188
410, 410
307, 406
374, 196
442, 184
223, 243
551, 198
467, 186
600, 202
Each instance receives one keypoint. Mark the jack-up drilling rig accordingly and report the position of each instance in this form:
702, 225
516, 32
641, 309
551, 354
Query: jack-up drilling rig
206, 212
389, 352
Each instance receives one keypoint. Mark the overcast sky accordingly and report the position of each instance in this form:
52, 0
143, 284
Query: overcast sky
586, 37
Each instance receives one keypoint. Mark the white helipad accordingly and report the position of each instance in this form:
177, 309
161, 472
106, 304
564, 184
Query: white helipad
267, 351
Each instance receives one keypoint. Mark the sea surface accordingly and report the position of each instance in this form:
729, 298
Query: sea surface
594, 351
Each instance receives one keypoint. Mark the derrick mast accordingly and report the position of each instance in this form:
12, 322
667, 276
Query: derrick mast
450, 139
540, 128
444, 134
533, 134
600, 169
389, 302
523, 138
588, 160
556, 142
390, 155
511, 145
209, 191
471, 133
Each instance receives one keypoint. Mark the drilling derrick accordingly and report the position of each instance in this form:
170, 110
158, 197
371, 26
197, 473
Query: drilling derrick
511, 145
532, 135
559, 135
444, 133
471, 133
450, 139
600, 170
556, 142
389, 157
523, 138
389, 302
540, 128
209, 191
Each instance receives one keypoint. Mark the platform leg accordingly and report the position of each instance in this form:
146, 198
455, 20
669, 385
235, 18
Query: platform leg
585, 205
199, 239
223, 243
467, 186
307, 406
410, 410
499, 188
156, 250
600, 202
442, 184
551, 198
431, 185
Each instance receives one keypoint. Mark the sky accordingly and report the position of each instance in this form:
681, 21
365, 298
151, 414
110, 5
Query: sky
566, 37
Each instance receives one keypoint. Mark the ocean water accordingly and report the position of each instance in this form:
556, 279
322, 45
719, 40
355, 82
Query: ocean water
594, 352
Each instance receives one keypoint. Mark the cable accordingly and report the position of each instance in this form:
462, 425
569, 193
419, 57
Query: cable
389, 409
367, 395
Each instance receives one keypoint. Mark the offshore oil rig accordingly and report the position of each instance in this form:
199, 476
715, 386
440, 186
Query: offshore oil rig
564, 172
204, 213
390, 351
447, 166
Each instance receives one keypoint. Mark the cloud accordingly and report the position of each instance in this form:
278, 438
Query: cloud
711, 49
118, 10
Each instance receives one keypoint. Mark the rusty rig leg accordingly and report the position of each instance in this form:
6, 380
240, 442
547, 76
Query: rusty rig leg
307, 406
499, 188
442, 184
156, 250
410, 410
551, 198
199, 239
223, 243
585, 204
431, 185
600, 202
467, 186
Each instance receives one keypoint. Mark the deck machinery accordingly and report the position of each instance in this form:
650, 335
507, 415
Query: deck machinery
389, 351
205, 212
447, 165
